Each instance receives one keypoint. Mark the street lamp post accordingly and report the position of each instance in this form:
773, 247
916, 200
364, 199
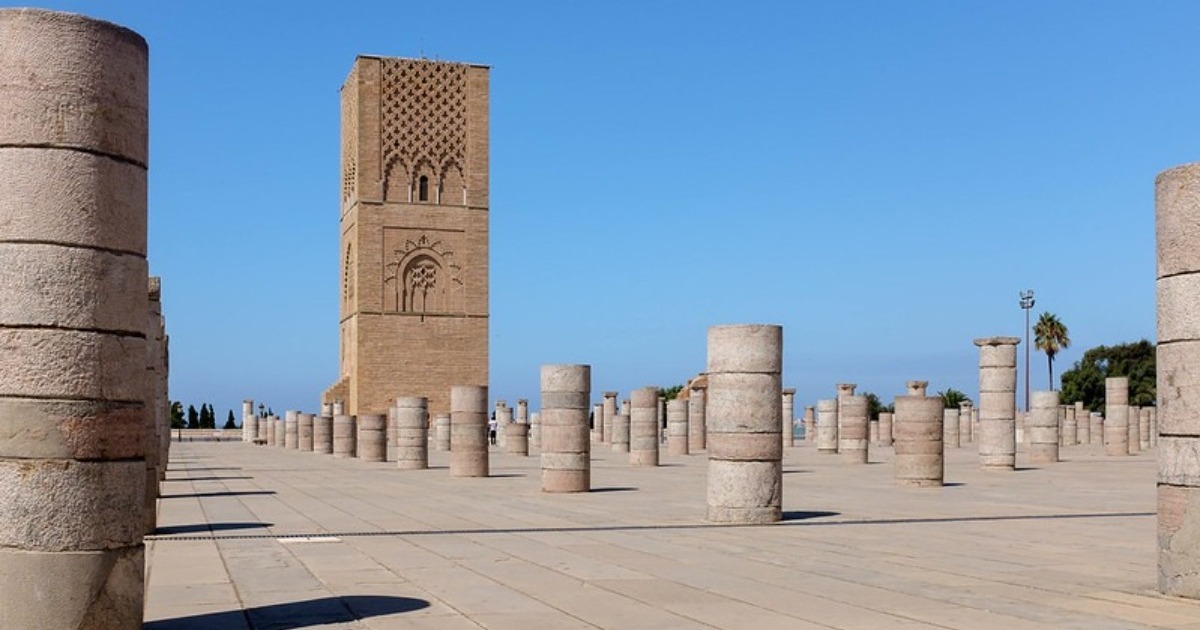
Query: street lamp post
1027, 305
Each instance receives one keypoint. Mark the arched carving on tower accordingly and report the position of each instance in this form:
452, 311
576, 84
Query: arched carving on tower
424, 172
397, 180
422, 277
452, 189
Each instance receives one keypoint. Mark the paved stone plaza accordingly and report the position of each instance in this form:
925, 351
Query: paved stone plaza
255, 537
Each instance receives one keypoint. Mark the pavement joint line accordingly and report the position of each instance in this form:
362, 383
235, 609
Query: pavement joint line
635, 528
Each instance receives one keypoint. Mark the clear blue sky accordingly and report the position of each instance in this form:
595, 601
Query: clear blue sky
881, 178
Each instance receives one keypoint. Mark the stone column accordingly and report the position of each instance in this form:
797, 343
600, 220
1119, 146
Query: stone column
1177, 215
372, 437
327, 410
887, 428
827, 421
523, 411
1116, 416
598, 422
249, 425
643, 427
441, 431
697, 431
566, 449
964, 423
73, 321
323, 435
504, 417
1070, 427
535, 430
745, 458
517, 439
304, 431
280, 432
1083, 428
345, 436
338, 408
625, 408
843, 390
610, 412
412, 433
1133, 429
920, 453
1154, 427
1144, 428
950, 423
810, 424
997, 402
620, 433
677, 427
468, 431
789, 416
1043, 428
873, 431
661, 418
268, 422
291, 428
852, 437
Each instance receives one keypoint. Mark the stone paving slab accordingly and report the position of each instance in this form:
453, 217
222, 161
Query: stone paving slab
261, 537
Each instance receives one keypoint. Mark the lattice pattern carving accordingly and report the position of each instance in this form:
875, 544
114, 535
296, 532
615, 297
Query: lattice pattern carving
350, 135
424, 279
424, 110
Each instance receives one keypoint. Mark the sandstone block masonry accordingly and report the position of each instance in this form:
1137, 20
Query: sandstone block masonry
413, 289
566, 447
73, 321
998, 402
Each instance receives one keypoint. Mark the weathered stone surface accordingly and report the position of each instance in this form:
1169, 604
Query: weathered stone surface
52, 285
372, 437
643, 427
917, 432
66, 505
697, 432
1043, 428
71, 364
997, 431
1116, 416
291, 430
517, 442
827, 426
610, 411
787, 423
345, 436
1179, 540
304, 432
566, 446
412, 433
852, 434
620, 433
67, 429
677, 427
441, 431
468, 431
323, 435
886, 428
950, 429
744, 412
76, 590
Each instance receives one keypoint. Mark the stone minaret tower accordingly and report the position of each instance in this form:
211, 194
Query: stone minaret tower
414, 232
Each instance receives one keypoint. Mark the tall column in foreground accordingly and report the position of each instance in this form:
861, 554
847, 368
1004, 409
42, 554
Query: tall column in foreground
566, 447
998, 402
73, 321
1177, 416
745, 454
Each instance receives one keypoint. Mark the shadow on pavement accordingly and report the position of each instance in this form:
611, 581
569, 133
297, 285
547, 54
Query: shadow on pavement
222, 493
305, 614
206, 527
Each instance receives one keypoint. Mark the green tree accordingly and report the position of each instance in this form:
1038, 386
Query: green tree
952, 397
670, 393
193, 418
208, 419
229, 421
1085, 380
176, 415
874, 406
1050, 335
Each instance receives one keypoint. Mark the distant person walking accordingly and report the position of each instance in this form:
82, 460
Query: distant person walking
492, 429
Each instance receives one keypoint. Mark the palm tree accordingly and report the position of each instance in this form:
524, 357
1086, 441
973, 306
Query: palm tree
1050, 336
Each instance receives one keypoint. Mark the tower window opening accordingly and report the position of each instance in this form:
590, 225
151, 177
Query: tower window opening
423, 189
